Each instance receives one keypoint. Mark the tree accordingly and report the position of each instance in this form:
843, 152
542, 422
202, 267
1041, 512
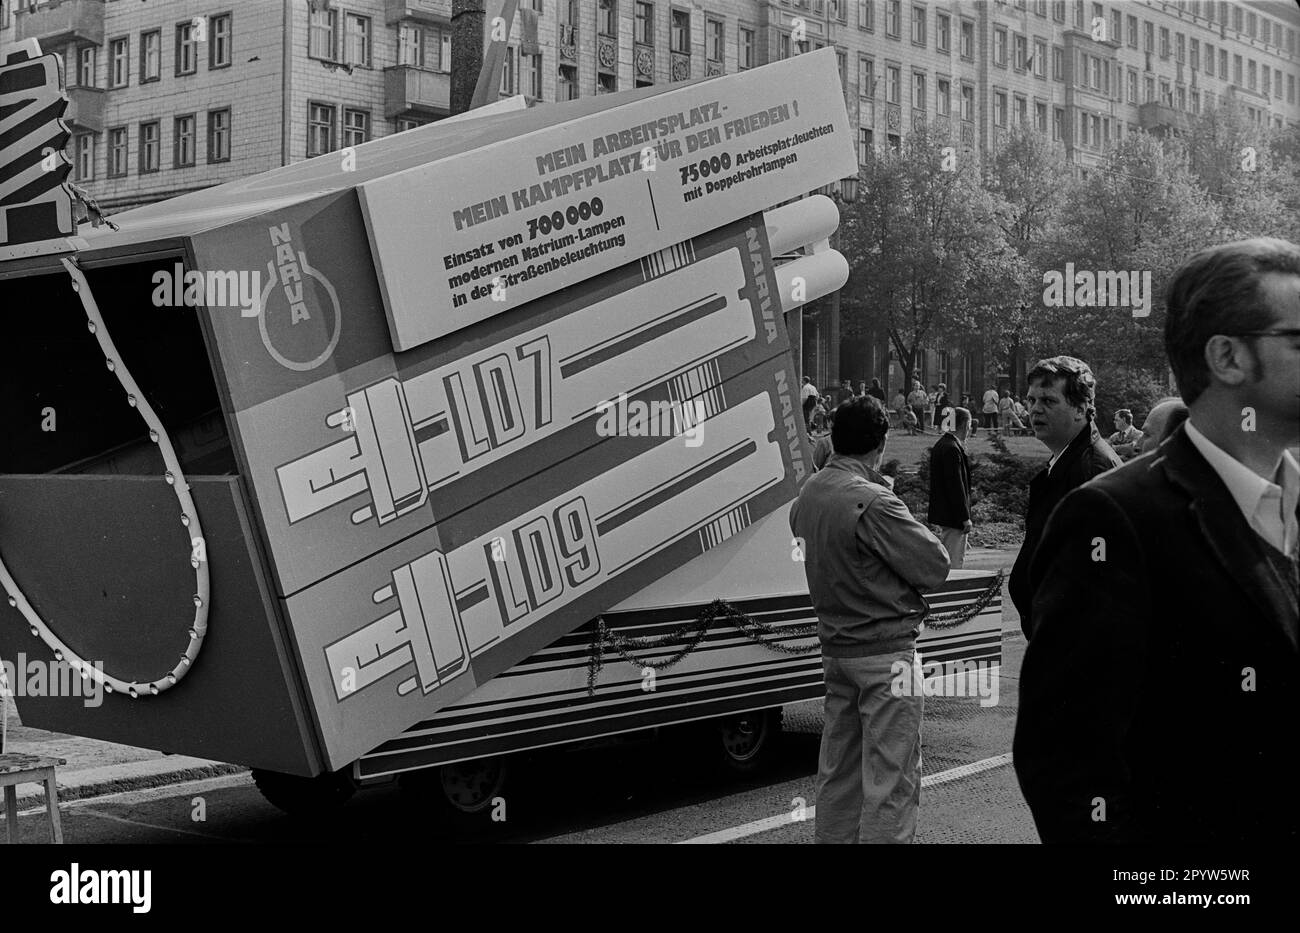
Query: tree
925, 250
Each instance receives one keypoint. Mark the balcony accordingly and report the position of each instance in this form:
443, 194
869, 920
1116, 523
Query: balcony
1158, 118
56, 24
85, 109
413, 91
437, 12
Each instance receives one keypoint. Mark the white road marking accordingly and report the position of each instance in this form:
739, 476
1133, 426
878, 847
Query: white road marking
785, 819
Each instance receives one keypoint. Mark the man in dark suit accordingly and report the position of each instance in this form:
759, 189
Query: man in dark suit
1061, 412
950, 488
1158, 696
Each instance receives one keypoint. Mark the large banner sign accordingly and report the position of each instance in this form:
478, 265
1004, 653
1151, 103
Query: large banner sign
469, 237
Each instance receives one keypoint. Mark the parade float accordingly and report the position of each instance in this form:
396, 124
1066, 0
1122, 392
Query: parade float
475, 439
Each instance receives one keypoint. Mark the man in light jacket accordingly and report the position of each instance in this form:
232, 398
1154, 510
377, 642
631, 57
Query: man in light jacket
867, 561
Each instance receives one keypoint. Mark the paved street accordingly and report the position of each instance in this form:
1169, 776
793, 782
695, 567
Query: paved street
653, 792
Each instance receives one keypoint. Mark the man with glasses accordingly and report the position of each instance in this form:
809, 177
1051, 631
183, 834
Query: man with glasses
1158, 696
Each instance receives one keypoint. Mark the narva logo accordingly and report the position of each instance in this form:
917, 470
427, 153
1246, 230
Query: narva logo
301, 318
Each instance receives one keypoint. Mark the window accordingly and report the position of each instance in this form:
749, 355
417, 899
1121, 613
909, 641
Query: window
1116, 26
893, 82
1078, 13
1132, 86
358, 40
1058, 123
968, 103
607, 18
1040, 116
783, 46
895, 143
606, 84
1179, 51
864, 145
943, 97
866, 78
1083, 129
1223, 63
1277, 83
1166, 96
867, 14
918, 25
1148, 36
531, 67
1058, 63
1148, 90
356, 126
150, 55
681, 31
1196, 54
150, 146
118, 66
1000, 46
84, 147
1290, 89
745, 55
1000, 108
918, 91
117, 152
644, 26
713, 41
320, 129
1132, 23
1021, 52
1022, 111
1250, 74
86, 66
967, 40
322, 35
183, 141
187, 57
1196, 101
566, 86
1180, 97
219, 135
1040, 58
219, 36
1236, 70
892, 15
1164, 42
1058, 10
426, 47
943, 32
510, 71
1209, 59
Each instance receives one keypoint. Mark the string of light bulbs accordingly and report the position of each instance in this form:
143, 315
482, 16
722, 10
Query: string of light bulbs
189, 519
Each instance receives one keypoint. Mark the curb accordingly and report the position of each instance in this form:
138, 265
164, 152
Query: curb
133, 775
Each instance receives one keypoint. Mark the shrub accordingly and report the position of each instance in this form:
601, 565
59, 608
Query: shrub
1119, 387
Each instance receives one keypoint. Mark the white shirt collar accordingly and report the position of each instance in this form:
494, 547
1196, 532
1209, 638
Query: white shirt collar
1268, 508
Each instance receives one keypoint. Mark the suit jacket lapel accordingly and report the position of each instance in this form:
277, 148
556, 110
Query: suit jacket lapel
1231, 539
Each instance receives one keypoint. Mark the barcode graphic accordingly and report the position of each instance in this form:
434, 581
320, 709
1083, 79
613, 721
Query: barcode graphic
724, 527
666, 260
702, 384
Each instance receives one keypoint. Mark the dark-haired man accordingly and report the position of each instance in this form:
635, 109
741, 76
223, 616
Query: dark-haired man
1062, 406
867, 561
950, 487
1159, 693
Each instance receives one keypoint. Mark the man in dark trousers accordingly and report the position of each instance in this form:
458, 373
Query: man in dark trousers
1158, 696
867, 561
1061, 412
950, 488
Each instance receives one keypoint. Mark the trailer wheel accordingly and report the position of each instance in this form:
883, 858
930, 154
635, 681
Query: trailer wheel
300, 796
746, 743
461, 790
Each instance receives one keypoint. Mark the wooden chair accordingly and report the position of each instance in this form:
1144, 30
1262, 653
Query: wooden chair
18, 769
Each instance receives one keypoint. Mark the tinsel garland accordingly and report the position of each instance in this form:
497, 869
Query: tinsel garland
689, 635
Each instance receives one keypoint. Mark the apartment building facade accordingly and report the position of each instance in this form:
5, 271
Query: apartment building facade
175, 95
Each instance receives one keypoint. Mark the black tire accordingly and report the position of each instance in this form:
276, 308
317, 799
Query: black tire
464, 792
744, 743
321, 795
